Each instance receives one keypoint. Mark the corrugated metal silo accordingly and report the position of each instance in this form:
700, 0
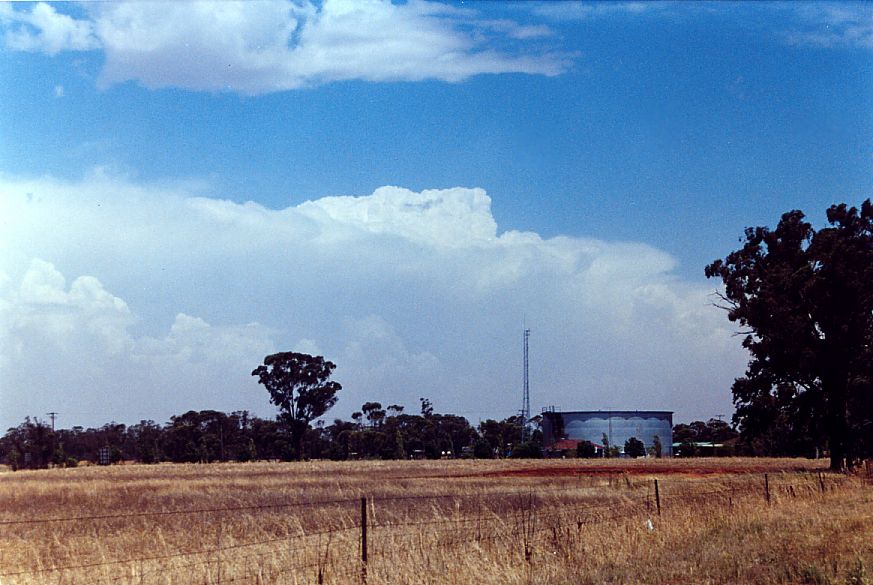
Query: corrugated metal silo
617, 425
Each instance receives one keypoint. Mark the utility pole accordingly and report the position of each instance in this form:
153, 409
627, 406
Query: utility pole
525, 405
53, 415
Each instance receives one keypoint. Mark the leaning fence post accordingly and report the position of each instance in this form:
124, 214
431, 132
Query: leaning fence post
767, 488
657, 497
363, 539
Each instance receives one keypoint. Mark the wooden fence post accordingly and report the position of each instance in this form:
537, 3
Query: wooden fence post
767, 488
363, 539
657, 497
218, 550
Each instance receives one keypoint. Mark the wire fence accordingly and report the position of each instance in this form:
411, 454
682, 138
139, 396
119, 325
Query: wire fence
343, 540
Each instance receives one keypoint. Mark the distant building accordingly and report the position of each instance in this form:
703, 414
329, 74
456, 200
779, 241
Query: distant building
570, 447
617, 425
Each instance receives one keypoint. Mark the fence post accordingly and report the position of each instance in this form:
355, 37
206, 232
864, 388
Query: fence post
478, 520
363, 539
767, 488
218, 551
821, 482
657, 497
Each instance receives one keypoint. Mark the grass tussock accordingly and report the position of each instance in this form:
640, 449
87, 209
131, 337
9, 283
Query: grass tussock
484, 522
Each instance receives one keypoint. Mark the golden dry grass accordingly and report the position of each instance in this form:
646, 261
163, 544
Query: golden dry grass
490, 522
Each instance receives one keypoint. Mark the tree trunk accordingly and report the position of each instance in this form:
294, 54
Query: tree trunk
838, 457
298, 432
835, 391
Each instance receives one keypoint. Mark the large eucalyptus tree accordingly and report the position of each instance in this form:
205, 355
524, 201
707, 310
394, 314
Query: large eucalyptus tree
805, 301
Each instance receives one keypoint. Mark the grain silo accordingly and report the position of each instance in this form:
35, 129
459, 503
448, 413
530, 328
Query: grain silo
617, 426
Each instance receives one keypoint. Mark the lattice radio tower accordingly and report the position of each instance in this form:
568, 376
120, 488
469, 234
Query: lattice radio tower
525, 403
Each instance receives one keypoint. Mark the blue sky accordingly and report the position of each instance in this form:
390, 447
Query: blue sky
605, 152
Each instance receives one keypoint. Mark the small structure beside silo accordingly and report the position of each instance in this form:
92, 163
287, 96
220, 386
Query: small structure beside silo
617, 426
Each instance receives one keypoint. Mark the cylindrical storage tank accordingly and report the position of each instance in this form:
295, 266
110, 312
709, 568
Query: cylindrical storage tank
616, 426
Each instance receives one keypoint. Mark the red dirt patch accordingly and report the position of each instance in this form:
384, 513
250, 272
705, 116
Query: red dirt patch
635, 469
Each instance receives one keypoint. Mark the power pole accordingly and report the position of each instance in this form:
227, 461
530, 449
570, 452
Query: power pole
52, 415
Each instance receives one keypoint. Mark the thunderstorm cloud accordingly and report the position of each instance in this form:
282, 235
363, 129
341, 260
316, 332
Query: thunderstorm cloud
127, 301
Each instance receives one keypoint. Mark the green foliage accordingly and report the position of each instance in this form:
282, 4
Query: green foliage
208, 436
30, 445
374, 413
805, 298
712, 431
482, 449
398, 435
299, 384
529, 450
399, 446
13, 459
501, 434
586, 450
686, 449
657, 448
633, 447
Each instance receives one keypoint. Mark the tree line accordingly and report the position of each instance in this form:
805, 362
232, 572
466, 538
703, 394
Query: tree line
804, 298
374, 432
208, 436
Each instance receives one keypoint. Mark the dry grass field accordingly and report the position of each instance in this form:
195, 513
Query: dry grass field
484, 522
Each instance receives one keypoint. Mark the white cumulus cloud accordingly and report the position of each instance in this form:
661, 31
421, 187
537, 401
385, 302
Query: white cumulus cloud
176, 297
275, 45
44, 29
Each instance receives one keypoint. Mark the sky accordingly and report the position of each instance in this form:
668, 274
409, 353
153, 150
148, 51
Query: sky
403, 187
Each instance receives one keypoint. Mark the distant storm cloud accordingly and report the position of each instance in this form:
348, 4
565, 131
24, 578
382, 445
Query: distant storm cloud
127, 300
266, 46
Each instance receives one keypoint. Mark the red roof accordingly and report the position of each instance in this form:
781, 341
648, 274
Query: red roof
564, 444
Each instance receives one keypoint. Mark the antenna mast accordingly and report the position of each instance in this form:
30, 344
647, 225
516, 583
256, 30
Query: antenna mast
525, 404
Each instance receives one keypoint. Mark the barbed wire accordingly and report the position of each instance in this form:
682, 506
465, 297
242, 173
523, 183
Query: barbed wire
566, 516
302, 503
179, 554
127, 515
205, 562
